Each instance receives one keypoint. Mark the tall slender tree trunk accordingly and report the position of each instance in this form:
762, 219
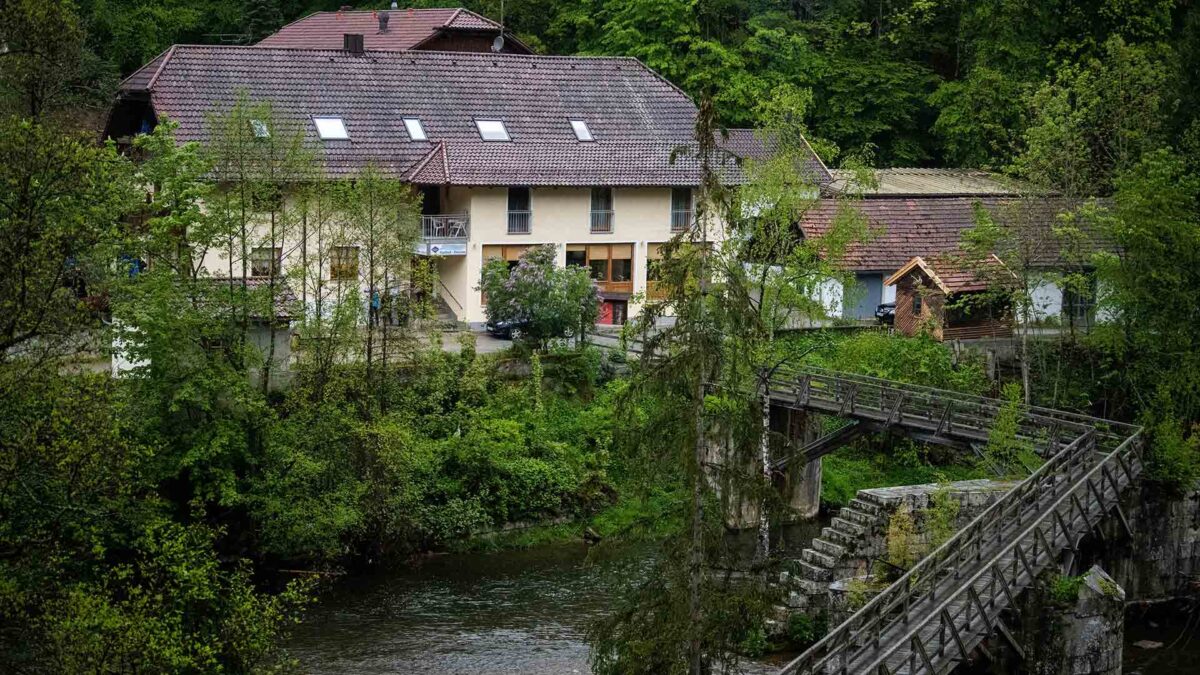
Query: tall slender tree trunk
764, 458
271, 318
696, 561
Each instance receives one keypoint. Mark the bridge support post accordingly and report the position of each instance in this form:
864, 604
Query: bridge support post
801, 484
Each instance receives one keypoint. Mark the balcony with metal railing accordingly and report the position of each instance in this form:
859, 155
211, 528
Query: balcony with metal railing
520, 222
602, 222
445, 234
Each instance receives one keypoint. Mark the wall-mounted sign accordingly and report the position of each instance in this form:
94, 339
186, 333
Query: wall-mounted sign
441, 249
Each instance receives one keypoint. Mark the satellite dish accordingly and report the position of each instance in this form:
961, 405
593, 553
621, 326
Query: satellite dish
498, 43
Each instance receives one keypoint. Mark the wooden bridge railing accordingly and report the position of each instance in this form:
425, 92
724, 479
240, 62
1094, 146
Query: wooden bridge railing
949, 601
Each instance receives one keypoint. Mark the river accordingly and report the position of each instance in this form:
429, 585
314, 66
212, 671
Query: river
504, 612
528, 611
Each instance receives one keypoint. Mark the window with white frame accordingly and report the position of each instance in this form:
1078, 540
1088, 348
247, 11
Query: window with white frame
416, 131
492, 130
582, 132
331, 128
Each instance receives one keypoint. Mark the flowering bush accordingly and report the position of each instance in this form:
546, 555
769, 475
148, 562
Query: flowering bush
545, 300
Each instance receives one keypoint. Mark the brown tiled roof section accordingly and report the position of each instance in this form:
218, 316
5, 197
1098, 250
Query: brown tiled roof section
637, 118
143, 77
954, 273
406, 28
432, 169
757, 144
465, 19
904, 228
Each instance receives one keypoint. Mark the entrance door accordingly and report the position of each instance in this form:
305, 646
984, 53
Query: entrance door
620, 311
867, 295
606, 313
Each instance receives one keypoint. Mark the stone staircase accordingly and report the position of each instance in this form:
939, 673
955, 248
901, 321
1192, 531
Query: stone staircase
843, 549
857, 535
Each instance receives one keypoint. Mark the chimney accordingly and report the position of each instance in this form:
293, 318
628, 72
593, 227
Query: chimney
383, 21
352, 42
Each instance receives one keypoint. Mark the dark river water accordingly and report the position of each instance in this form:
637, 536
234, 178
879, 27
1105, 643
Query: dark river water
506, 612
528, 611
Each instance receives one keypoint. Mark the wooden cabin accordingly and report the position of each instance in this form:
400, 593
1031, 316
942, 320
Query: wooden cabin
951, 299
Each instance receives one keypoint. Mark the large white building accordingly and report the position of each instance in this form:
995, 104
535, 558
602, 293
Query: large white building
508, 150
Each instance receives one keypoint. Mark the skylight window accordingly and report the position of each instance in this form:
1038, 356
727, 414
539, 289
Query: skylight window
582, 132
415, 131
492, 130
331, 128
260, 129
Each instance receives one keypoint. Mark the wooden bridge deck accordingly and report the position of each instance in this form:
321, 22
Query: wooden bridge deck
937, 614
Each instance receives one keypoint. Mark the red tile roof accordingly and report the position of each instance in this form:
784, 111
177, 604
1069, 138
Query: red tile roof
638, 118
905, 228
954, 273
407, 29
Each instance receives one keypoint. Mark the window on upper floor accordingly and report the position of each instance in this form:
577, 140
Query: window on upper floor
602, 210
343, 263
260, 129
582, 132
415, 130
916, 304
266, 261
520, 215
331, 128
492, 130
681, 208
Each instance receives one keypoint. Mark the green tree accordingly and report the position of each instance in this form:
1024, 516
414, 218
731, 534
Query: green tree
382, 219
61, 198
1096, 118
42, 65
1149, 291
695, 398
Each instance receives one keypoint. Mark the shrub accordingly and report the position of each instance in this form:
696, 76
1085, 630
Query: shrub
547, 300
804, 630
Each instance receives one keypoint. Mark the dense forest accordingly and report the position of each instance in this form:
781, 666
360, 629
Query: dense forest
174, 520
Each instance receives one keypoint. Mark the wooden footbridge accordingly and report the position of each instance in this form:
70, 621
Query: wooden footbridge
941, 611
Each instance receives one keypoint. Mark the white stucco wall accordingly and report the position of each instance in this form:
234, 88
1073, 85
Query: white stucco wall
560, 216
1046, 299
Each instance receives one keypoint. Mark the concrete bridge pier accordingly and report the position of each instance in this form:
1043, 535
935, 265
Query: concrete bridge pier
800, 484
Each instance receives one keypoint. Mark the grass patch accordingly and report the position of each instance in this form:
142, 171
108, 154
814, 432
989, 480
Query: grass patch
846, 472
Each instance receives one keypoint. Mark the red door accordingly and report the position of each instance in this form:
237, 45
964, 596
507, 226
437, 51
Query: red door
606, 313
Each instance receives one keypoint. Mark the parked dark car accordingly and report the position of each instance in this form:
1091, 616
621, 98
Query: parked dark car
886, 313
506, 330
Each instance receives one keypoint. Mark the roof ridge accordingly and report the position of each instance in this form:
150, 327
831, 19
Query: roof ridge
409, 53
447, 22
157, 56
159, 69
